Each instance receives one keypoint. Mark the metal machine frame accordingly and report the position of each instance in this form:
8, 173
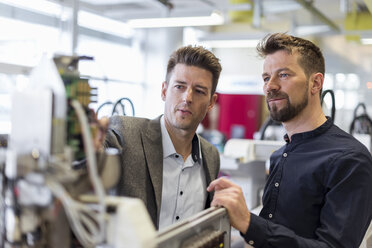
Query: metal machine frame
204, 229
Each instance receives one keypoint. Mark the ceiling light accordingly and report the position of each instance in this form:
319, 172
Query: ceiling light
310, 30
38, 6
85, 19
229, 43
214, 19
366, 41
103, 24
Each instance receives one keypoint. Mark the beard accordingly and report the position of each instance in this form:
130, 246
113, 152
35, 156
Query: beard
289, 111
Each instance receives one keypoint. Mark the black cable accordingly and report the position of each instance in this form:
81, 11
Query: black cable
268, 122
358, 106
364, 121
333, 109
103, 104
123, 108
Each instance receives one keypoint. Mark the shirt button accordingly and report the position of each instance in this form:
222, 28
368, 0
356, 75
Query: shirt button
277, 185
251, 242
270, 216
176, 156
177, 217
181, 193
285, 154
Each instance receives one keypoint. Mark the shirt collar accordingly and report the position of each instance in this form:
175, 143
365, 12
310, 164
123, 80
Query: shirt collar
168, 147
306, 135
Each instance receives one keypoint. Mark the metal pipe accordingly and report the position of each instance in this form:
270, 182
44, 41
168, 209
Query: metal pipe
309, 6
75, 27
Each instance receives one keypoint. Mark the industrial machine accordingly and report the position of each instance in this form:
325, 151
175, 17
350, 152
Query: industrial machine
209, 228
245, 161
54, 184
361, 126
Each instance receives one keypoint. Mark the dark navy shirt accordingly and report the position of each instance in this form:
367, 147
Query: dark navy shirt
318, 194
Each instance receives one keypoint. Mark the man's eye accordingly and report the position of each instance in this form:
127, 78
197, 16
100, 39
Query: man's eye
266, 79
178, 86
283, 75
200, 92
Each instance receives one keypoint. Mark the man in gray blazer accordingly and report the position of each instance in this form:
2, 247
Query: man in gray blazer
164, 162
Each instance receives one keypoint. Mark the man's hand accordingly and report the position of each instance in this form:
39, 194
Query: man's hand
101, 133
230, 196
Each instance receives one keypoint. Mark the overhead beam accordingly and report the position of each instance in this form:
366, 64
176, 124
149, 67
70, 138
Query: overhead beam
257, 12
369, 5
309, 6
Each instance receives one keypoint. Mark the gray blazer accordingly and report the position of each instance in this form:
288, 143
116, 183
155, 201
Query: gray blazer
139, 141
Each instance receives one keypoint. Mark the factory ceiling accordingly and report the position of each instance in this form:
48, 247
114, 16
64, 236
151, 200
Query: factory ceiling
300, 17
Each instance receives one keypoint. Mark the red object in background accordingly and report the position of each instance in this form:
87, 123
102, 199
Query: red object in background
239, 115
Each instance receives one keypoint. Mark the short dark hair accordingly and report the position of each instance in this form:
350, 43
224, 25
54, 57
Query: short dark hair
196, 56
311, 58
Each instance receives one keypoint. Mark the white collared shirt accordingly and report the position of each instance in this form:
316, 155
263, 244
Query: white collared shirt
184, 184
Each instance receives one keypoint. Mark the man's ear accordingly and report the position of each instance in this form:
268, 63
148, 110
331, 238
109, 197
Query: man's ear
317, 83
213, 101
164, 87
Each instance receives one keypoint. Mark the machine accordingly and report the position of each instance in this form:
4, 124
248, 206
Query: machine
54, 186
245, 161
209, 228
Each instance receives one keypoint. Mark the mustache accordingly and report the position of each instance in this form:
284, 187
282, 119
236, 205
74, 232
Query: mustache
184, 106
275, 95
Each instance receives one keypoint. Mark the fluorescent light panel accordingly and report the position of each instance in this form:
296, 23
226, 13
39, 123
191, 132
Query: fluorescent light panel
85, 19
39, 6
230, 43
366, 41
313, 29
103, 24
214, 19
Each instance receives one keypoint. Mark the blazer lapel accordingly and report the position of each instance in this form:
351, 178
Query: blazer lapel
152, 144
207, 170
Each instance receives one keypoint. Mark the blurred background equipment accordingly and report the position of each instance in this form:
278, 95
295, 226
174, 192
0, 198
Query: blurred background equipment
244, 161
240, 115
270, 130
119, 107
122, 106
361, 126
333, 103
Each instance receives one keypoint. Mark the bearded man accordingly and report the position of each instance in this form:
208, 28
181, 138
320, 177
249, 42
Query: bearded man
319, 190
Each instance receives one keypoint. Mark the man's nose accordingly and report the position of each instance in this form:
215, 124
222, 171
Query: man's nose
271, 85
188, 95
